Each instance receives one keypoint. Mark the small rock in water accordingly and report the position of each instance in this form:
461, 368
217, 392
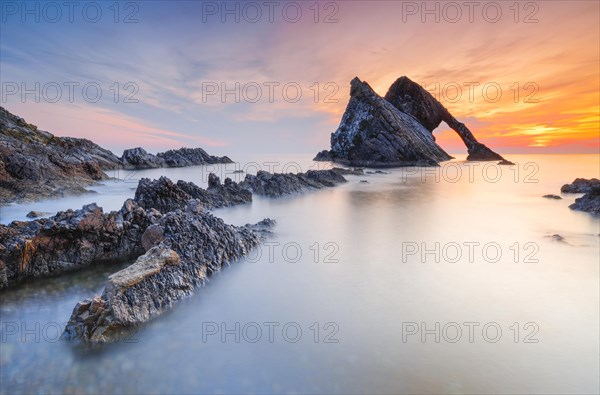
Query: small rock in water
355, 171
505, 162
377, 172
557, 237
36, 214
550, 196
364, 181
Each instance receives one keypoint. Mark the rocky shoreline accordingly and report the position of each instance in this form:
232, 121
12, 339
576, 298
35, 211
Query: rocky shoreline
36, 165
166, 228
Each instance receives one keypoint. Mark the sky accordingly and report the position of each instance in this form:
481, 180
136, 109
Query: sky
272, 77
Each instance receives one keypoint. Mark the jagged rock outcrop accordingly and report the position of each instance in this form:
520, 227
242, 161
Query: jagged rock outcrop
276, 185
165, 196
71, 240
411, 98
35, 164
74, 239
137, 158
195, 245
190, 157
372, 134
581, 185
590, 202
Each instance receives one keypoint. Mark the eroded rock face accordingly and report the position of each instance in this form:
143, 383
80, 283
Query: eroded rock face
590, 202
195, 245
165, 196
71, 240
372, 134
411, 98
277, 185
581, 185
74, 239
35, 164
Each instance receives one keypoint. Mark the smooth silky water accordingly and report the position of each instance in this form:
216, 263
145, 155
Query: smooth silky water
360, 263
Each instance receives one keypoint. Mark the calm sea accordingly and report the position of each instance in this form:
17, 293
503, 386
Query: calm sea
440, 280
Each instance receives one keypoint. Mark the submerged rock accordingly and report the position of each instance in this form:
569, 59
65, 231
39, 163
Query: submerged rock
580, 185
397, 130
590, 202
276, 185
195, 245
357, 171
552, 197
557, 237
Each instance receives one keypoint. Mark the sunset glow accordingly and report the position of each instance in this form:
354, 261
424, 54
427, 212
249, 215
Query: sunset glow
531, 85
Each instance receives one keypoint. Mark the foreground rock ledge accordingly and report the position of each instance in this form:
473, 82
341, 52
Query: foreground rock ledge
194, 245
74, 239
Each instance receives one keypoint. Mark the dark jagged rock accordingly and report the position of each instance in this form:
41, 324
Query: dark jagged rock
581, 185
190, 157
505, 162
411, 98
138, 158
590, 202
276, 185
324, 156
377, 172
72, 240
374, 133
35, 164
165, 196
195, 245
550, 196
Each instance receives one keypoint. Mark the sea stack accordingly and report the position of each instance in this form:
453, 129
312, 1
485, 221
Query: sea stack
396, 130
